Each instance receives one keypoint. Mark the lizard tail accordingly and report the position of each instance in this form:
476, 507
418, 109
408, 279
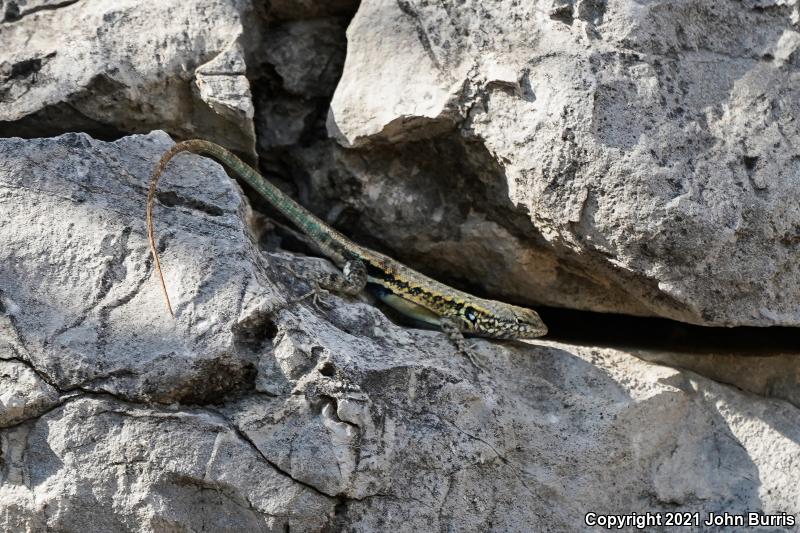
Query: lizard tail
328, 239
151, 194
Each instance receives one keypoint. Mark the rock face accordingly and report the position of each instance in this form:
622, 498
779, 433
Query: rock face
81, 301
653, 146
248, 412
124, 66
635, 157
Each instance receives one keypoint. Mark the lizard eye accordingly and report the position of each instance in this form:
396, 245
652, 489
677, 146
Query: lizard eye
470, 314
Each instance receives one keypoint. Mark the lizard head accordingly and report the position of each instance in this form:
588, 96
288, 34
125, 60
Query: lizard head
499, 320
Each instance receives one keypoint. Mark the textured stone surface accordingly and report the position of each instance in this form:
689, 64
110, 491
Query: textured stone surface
110, 67
248, 413
81, 289
653, 146
99, 464
307, 55
25, 395
622, 156
302, 61
774, 375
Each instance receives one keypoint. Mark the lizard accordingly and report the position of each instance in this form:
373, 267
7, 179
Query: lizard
410, 292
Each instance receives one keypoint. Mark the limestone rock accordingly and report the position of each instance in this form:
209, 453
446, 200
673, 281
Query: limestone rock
307, 55
652, 147
77, 278
249, 412
98, 464
301, 62
113, 67
24, 395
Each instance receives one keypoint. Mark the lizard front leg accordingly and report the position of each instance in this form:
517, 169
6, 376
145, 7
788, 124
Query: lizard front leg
452, 331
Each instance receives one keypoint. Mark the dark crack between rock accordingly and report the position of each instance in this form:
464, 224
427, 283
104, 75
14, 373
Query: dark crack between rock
173, 199
14, 14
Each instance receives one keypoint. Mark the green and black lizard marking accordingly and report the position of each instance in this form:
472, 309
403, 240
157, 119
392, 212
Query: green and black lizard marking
407, 290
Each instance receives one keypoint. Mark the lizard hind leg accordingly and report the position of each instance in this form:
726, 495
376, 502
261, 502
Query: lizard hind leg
351, 281
355, 277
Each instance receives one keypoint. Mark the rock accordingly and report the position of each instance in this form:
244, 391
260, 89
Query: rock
651, 148
774, 375
223, 86
103, 67
376, 196
248, 412
307, 55
300, 63
99, 464
77, 277
283, 121
25, 395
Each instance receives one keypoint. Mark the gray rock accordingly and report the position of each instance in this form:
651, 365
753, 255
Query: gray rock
77, 278
307, 55
301, 61
283, 121
251, 413
113, 67
98, 464
775, 375
25, 394
652, 147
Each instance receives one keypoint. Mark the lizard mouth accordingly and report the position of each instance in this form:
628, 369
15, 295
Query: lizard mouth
523, 331
532, 331
526, 329
509, 330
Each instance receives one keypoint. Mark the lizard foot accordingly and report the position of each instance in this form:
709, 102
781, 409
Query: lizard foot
316, 295
457, 338
467, 352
